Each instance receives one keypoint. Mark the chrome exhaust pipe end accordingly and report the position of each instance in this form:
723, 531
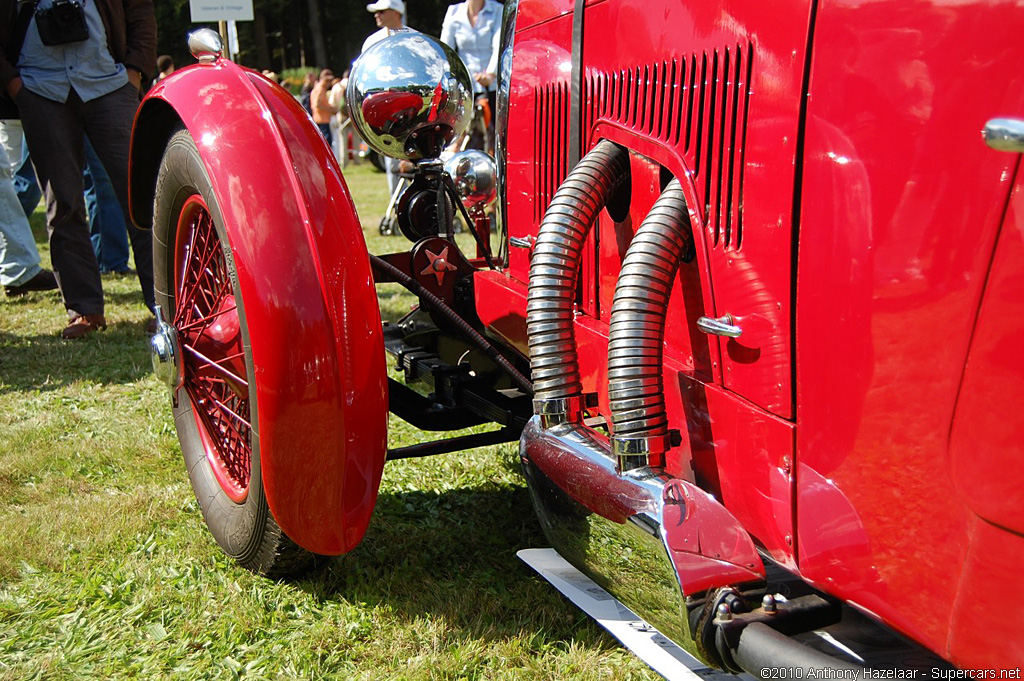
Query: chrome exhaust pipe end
657, 543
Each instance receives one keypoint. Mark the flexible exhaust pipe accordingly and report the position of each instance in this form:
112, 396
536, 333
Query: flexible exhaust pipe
582, 492
636, 340
554, 270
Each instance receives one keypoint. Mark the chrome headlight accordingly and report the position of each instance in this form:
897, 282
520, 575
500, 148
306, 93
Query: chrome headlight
409, 96
473, 173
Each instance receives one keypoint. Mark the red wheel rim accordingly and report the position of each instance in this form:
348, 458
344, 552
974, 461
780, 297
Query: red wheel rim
213, 358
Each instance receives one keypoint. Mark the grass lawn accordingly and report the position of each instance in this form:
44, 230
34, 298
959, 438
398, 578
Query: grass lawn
107, 570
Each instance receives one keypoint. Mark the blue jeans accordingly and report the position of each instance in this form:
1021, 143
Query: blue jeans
325, 130
19, 257
25, 183
106, 220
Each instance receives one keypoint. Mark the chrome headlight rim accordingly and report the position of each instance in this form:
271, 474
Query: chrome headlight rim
409, 96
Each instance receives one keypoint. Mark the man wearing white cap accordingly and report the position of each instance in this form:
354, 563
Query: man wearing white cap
389, 15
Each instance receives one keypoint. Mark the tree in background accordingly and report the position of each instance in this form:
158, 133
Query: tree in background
288, 35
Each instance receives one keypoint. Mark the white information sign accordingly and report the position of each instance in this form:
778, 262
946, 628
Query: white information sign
220, 10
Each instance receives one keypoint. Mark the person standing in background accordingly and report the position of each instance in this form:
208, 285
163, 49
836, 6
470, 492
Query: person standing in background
390, 17
321, 107
20, 271
472, 29
308, 81
81, 76
339, 122
165, 66
107, 229
12, 136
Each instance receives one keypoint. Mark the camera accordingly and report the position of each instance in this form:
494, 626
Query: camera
62, 23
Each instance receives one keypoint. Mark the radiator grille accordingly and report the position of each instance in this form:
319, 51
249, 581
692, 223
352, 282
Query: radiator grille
697, 104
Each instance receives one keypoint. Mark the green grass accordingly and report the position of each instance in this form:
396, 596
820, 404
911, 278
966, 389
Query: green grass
107, 570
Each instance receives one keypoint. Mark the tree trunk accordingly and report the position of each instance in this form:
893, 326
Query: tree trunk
259, 29
319, 47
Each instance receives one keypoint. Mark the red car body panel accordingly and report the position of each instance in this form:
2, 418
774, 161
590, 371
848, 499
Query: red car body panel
309, 297
893, 480
901, 205
704, 64
865, 429
995, 371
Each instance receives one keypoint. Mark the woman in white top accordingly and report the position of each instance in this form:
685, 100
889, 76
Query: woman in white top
472, 29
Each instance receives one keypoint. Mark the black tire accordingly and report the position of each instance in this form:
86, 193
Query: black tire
246, 529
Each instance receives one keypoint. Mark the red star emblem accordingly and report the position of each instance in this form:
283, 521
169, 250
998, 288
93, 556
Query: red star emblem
438, 264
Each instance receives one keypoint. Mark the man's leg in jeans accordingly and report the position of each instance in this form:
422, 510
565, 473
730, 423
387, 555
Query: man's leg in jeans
12, 136
106, 221
108, 122
54, 134
19, 257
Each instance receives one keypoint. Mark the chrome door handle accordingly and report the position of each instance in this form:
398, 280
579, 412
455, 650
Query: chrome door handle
1004, 134
723, 326
522, 241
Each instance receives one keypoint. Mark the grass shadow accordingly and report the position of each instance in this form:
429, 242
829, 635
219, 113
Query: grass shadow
451, 556
118, 355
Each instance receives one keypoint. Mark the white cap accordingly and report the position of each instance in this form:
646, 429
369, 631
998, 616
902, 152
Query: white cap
382, 5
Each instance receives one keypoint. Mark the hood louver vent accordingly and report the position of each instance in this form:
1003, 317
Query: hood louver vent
551, 143
697, 105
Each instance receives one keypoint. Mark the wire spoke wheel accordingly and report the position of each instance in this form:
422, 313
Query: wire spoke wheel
215, 394
213, 362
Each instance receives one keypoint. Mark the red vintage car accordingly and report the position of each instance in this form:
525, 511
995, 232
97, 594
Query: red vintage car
753, 307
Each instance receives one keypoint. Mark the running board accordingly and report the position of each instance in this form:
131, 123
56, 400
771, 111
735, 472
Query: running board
856, 639
646, 642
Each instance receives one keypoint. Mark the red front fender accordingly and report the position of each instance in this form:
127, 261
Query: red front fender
304, 275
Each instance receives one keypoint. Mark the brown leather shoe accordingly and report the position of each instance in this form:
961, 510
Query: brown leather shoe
151, 326
82, 325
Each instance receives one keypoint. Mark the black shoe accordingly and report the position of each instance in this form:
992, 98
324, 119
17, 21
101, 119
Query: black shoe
44, 281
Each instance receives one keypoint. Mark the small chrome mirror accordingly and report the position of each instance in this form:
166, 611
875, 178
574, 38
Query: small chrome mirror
205, 45
1005, 134
409, 96
473, 172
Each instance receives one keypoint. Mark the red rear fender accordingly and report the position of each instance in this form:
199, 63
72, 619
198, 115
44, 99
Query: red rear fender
305, 279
